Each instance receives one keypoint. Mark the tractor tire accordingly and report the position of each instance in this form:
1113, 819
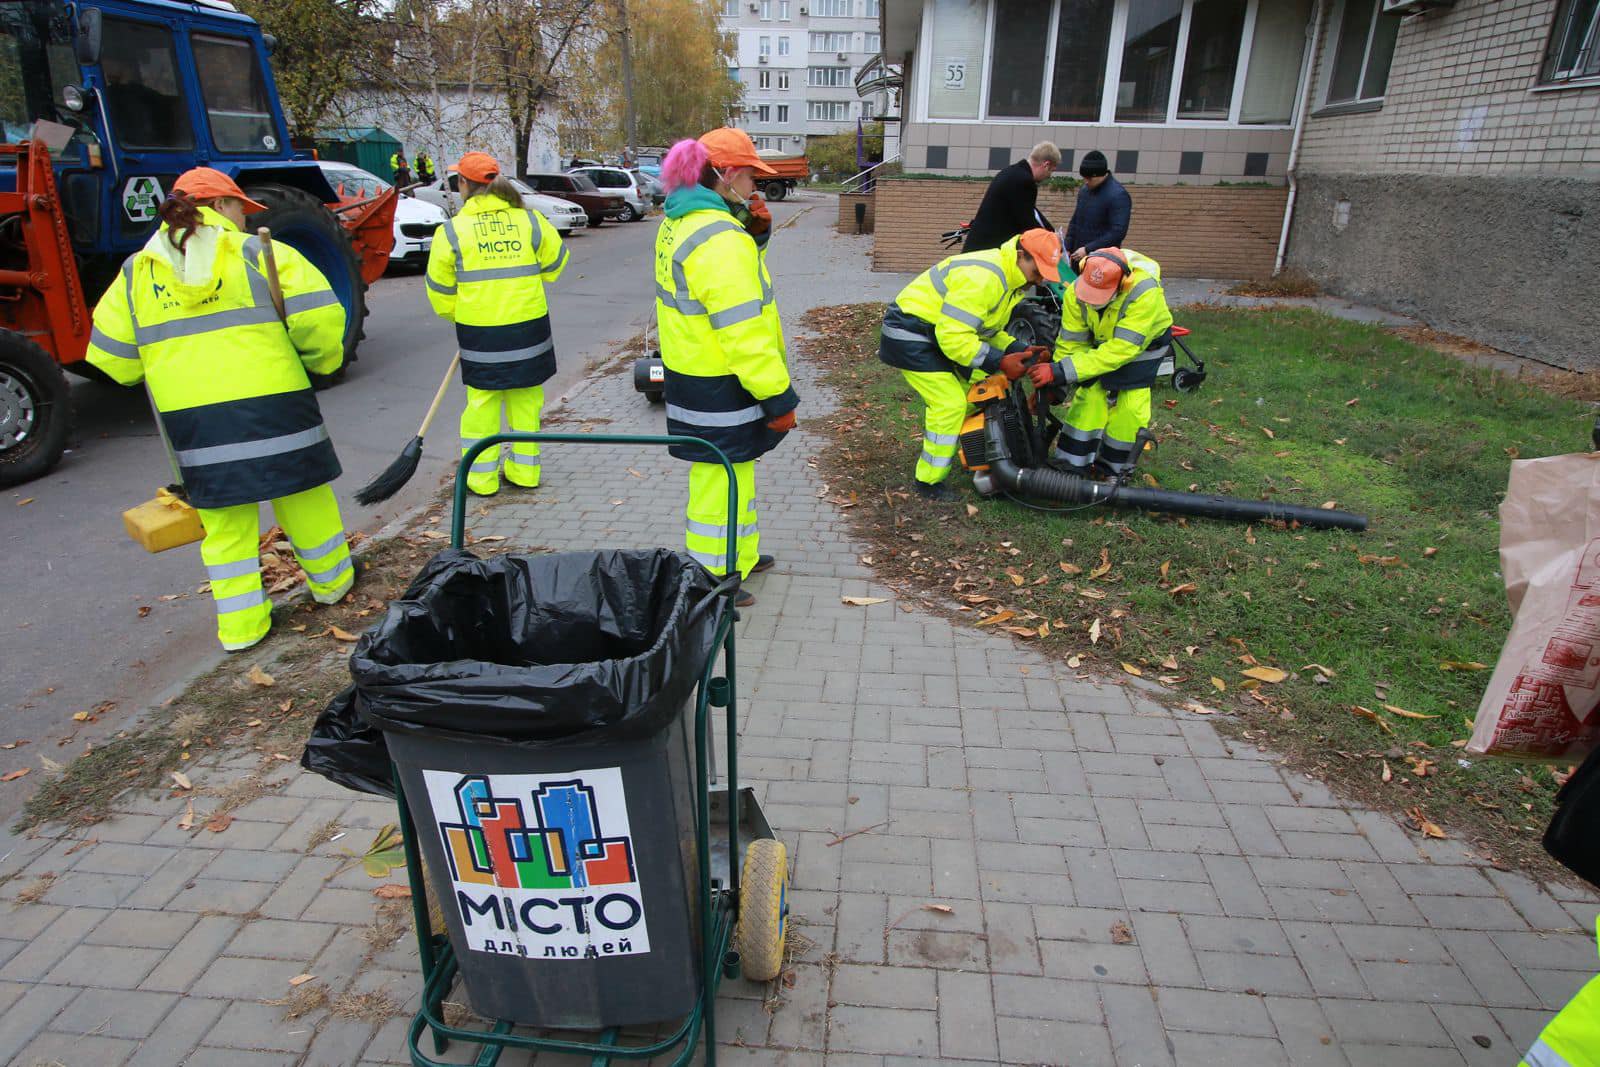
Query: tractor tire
299, 220
34, 410
1033, 323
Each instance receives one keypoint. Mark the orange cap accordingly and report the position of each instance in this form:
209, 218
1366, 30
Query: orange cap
207, 183
728, 147
1099, 276
1045, 248
478, 167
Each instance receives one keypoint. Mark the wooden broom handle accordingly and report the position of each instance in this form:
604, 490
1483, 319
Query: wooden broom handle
438, 398
273, 285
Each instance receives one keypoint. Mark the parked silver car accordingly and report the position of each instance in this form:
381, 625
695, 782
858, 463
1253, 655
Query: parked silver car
636, 200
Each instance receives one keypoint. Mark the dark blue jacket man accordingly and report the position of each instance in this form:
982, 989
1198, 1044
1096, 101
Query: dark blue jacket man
1100, 219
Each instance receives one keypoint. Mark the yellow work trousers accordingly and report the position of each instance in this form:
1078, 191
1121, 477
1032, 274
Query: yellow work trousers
706, 529
1096, 426
945, 398
482, 418
231, 551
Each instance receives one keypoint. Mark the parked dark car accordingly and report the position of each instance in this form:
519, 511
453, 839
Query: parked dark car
597, 204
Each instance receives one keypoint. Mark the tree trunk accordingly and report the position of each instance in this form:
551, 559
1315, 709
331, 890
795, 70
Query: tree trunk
630, 115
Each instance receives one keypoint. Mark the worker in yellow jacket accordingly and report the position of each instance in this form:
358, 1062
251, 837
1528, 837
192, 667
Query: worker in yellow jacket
486, 273
949, 324
727, 379
1115, 336
1572, 1038
192, 316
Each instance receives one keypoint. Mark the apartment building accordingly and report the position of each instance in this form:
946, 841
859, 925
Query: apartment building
797, 61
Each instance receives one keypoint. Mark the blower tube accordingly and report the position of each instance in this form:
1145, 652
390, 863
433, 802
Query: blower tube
1048, 484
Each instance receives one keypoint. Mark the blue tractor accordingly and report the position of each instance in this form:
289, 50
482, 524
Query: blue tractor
103, 105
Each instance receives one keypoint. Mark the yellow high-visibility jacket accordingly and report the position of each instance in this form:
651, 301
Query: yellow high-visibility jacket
228, 376
954, 314
486, 273
1118, 346
721, 340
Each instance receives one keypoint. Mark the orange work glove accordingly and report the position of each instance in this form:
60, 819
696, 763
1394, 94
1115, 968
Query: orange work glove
1044, 375
760, 215
1014, 364
783, 423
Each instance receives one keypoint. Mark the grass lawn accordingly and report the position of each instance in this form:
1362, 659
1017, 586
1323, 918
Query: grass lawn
1299, 407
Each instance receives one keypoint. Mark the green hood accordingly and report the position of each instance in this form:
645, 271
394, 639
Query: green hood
693, 198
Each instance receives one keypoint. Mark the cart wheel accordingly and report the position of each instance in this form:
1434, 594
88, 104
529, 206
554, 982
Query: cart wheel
763, 910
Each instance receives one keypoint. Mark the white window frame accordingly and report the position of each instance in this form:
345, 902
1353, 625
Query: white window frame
763, 79
764, 46
766, 10
783, 113
783, 45
783, 81
830, 106
873, 47
1569, 79
846, 4
1335, 24
783, 10
1108, 99
763, 113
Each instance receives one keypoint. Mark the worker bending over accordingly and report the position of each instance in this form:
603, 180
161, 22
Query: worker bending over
193, 317
949, 323
1114, 337
727, 379
486, 273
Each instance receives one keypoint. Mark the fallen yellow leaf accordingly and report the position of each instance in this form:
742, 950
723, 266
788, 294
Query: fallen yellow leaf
392, 891
1368, 713
260, 677
1198, 709
1222, 687
182, 780
14, 775
1265, 674
863, 601
1456, 665
1388, 775
972, 510
341, 635
1179, 590
80, 716
187, 822
1131, 669
301, 979
997, 618
1094, 632
1428, 827
1070, 568
1404, 714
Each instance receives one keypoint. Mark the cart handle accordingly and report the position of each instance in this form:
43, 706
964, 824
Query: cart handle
458, 504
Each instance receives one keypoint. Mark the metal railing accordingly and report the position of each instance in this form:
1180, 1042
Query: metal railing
863, 182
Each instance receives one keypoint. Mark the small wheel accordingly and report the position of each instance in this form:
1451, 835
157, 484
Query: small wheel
654, 396
763, 910
34, 410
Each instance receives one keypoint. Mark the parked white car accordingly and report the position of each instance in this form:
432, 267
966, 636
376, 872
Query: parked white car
414, 220
635, 199
564, 215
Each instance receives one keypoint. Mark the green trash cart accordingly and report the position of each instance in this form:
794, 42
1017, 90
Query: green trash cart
736, 896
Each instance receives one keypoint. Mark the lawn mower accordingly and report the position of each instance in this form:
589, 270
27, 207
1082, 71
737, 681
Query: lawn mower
1006, 441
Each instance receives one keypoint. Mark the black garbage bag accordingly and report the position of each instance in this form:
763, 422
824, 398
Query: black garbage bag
347, 751
1573, 836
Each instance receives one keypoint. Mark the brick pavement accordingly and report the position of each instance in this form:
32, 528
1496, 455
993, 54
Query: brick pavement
1266, 920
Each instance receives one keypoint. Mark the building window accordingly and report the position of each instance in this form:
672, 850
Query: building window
763, 79
829, 110
763, 113
783, 113
869, 9
1149, 51
866, 109
1273, 74
828, 77
1363, 50
1083, 40
956, 63
783, 10
783, 80
1016, 82
1574, 50
730, 9
783, 46
831, 8
766, 10
1211, 60
830, 42
764, 46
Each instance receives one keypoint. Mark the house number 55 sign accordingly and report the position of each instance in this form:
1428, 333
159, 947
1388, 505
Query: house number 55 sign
955, 74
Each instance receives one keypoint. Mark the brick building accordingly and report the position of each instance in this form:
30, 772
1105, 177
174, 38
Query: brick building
1417, 150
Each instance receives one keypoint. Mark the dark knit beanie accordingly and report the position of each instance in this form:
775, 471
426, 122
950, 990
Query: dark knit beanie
1094, 164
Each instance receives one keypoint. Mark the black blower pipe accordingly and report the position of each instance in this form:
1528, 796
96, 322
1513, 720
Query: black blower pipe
1048, 484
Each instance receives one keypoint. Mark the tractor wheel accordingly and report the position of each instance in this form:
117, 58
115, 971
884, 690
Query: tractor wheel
296, 218
763, 910
1034, 324
34, 410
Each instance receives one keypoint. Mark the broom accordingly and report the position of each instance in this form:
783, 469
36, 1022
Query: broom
400, 471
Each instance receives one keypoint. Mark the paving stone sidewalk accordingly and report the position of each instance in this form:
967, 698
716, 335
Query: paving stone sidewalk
1117, 884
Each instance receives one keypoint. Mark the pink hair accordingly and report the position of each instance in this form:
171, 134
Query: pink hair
684, 165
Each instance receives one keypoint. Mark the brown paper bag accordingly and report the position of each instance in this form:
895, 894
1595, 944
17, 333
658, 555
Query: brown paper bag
1541, 700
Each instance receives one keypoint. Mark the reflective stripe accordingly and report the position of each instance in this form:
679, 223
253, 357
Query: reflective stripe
746, 531
518, 455
443, 290
533, 223
309, 302
485, 466
1070, 459
253, 598
895, 333
320, 550
941, 438
1139, 290
1081, 435
680, 279
1542, 1055
705, 529
936, 461
558, 264
1075, 335
683, 305
1111, 442
716, 418
199, 324
513, 356
750, 309
454, 241
111, 346
270, 446
961, 316
332, 572
1122, 333
493, 274
986, 352
221, 572
1066, 371
260, 289
712, 560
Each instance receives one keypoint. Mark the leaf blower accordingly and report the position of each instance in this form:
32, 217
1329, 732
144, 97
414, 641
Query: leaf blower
1004, 445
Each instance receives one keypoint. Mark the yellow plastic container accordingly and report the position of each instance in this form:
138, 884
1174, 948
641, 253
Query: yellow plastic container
163, 522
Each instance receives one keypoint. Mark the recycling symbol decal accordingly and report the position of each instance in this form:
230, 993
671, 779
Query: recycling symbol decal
141, 199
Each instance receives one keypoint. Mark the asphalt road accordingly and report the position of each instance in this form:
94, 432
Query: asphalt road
73, 586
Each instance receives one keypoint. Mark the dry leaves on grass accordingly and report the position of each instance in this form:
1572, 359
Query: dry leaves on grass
1404, 714
1423, 825
1368, 713
1004, 616
1457, 665
1265, 674
260, 677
